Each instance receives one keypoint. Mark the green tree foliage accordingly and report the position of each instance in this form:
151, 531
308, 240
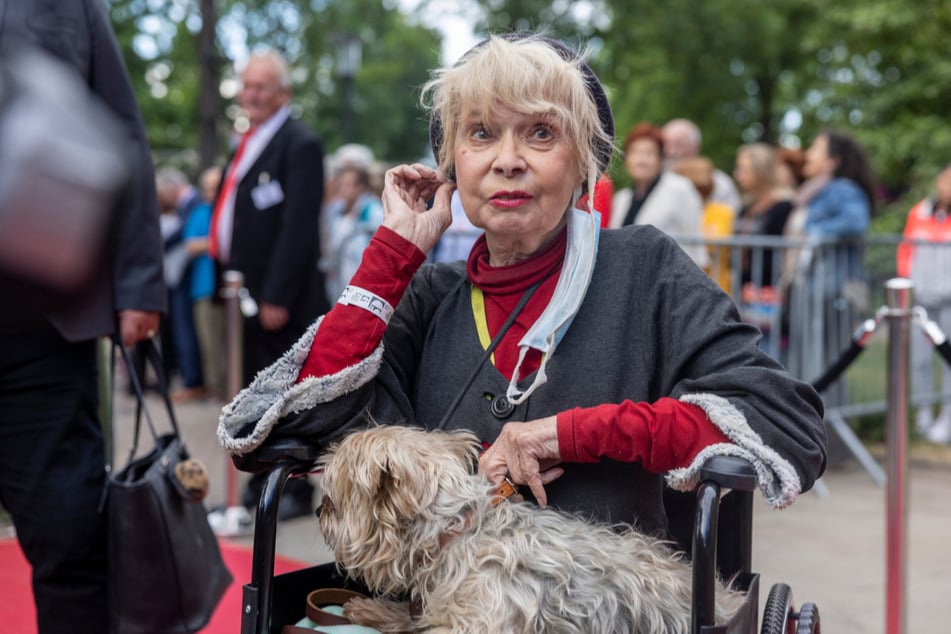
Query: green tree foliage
569, 21
884, 70
744, 70
772, 70
159, 39
396, 58
728, 65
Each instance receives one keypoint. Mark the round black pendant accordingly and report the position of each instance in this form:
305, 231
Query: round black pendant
502, 407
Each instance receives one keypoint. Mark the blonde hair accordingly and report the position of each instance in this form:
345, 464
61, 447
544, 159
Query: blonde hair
526, 75
763, 161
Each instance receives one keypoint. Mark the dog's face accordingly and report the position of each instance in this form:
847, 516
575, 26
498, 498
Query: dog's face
389, 493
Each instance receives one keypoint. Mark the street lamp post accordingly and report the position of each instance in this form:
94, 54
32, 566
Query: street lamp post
349, 51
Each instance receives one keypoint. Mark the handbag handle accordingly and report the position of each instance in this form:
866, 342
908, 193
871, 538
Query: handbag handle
154, 359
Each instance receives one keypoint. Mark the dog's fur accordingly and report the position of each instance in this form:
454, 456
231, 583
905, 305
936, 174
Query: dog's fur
403, 511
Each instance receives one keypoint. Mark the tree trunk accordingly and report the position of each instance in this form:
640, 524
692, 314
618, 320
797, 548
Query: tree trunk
767, 86
209, 100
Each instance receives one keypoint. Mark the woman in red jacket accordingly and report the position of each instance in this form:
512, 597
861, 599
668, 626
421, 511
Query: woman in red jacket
925, 258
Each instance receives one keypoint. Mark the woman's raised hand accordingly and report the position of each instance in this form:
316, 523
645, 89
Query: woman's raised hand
407, 190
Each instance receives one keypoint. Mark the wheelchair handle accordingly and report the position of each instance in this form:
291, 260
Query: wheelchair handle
717, 473
729, 472
298, 455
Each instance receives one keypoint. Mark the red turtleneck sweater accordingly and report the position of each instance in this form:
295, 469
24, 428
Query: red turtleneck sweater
663, 435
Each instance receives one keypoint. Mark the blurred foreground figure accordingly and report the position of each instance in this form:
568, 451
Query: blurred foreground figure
61, 169
80, 254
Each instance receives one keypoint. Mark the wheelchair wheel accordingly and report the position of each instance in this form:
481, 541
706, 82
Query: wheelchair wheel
777, 616
808, 619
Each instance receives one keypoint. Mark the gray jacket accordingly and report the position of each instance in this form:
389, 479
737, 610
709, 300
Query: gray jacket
652, 324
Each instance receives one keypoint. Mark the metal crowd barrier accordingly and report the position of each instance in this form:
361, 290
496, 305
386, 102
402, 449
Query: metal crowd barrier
807, 296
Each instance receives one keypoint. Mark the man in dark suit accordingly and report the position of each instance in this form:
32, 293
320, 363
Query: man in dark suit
265, 224
266, 216
52, 453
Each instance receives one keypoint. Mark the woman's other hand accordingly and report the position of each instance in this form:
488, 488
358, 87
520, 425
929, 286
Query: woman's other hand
407, 190
527, 453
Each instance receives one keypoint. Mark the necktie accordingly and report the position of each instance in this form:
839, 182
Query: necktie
227, 189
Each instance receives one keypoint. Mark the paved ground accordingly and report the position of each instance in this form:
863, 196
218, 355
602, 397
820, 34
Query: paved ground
830, 550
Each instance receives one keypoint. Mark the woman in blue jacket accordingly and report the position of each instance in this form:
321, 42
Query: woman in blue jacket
835, 204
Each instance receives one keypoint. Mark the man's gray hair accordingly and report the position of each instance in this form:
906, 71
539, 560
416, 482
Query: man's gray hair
276, 60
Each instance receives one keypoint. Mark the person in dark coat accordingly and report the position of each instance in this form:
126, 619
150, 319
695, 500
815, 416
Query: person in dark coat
52, 453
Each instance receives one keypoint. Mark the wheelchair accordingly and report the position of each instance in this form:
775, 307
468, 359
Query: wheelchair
712, 524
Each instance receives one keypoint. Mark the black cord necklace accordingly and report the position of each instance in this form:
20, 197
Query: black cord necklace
488, 352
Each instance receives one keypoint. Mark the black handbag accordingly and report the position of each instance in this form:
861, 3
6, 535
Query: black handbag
166, 574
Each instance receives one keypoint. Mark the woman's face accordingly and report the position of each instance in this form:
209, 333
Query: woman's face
743, 173
643, 160
818, 161
515, 174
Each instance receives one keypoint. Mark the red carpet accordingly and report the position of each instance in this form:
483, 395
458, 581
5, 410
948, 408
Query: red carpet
16, 607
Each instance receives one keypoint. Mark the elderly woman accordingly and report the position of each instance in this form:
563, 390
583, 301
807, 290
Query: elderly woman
593, 362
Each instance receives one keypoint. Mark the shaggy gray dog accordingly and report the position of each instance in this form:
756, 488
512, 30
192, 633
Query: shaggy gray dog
403, 511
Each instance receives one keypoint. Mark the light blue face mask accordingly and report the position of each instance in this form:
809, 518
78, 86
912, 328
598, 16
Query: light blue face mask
584, 230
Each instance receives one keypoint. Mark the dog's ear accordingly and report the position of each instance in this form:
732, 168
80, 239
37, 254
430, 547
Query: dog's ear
431, 465
398, 471
405, 486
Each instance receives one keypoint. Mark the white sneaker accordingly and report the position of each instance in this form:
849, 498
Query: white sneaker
940, 431
924, 419
234, 521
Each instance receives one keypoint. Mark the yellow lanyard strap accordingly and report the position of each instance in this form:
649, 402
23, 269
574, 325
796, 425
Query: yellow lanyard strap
481, 323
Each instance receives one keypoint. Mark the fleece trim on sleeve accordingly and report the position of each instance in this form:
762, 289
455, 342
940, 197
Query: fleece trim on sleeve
274, 393
777, 478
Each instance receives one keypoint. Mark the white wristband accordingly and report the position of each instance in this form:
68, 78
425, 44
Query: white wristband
371, 302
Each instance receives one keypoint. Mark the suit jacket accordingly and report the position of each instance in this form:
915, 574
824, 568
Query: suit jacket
79, 34
276, 246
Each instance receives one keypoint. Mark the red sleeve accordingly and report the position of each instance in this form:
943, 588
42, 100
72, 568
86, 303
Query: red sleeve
665, 435
603, 193
348, 334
